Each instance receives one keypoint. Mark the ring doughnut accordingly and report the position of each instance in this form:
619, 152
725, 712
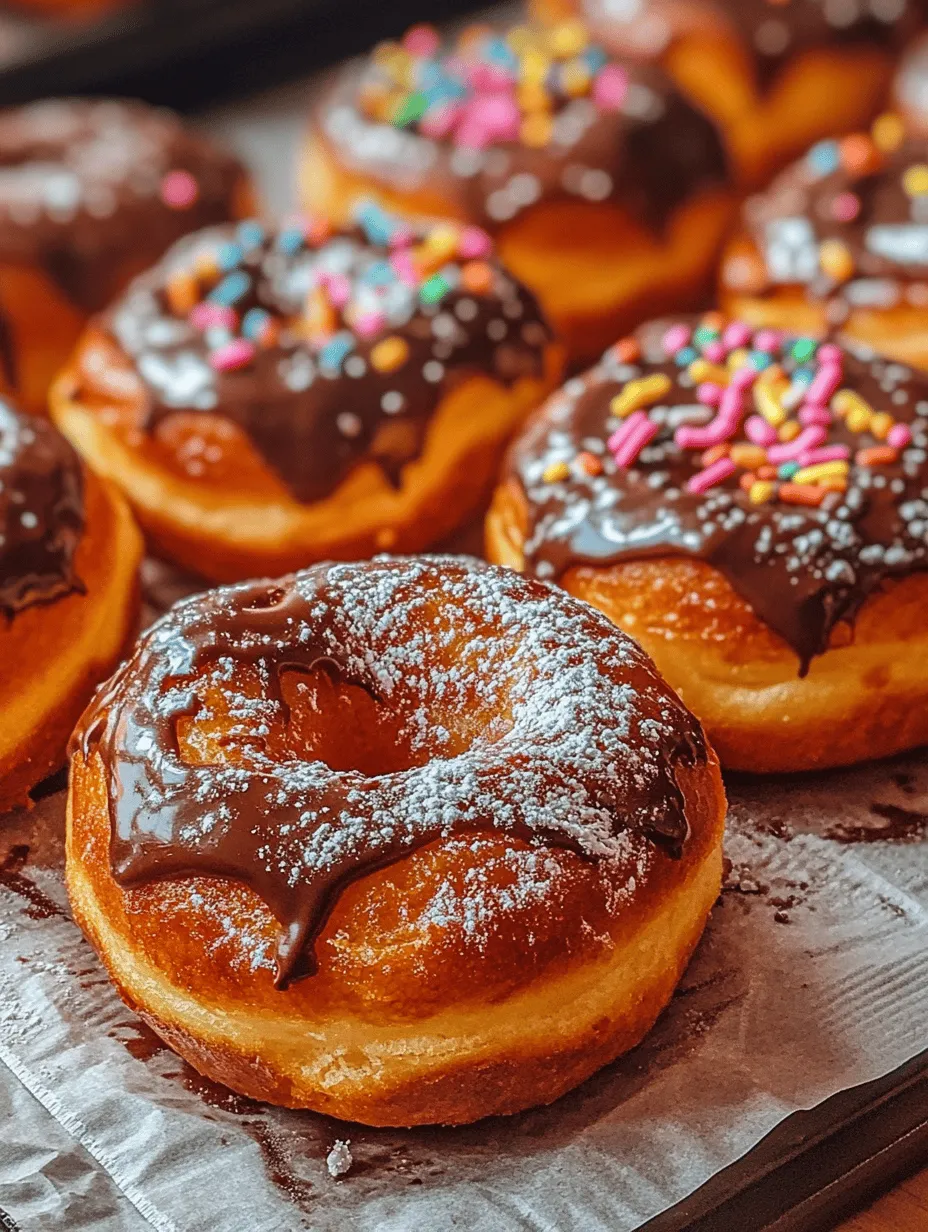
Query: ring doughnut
750, 506
422, 840
68, 559
267, 399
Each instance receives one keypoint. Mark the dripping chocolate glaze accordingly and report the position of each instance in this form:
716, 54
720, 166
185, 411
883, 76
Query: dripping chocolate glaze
41, 512
770, 33
579, 750
313, 424
803, 570
80, 191
648, 158
886, 241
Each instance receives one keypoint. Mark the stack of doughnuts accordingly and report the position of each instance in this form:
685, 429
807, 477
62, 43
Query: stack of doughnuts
606, 191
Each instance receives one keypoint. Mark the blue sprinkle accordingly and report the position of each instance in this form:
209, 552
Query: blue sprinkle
253, 323
231, 289
760, 360
498, 51
379, 274
595, 59
229, 256
378, 226
824, 157
250, 233
686, 356
786, 470
804, 376
291, 240
335, 351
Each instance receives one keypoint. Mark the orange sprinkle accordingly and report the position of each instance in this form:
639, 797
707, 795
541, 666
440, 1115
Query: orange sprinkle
183, 293
766, 472
713, 320
389, 354
789, 431
536, 130
749, 456
590, 463
859, 154
880, 424
627, 350
205, 265
477, 277
747, 481
876, 455
713, 454
802, 493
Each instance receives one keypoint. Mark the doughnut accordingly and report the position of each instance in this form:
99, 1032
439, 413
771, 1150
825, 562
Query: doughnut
751, 507
267, 399
605, 190
910, 86
92, 193
775, 76
840, 241
69, 552
406, 841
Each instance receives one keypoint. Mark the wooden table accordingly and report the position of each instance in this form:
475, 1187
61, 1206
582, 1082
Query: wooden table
903, 1209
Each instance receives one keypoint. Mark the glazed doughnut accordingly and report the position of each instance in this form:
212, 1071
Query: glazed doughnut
422, 841
270, 399
840, 240
750, 506
92, 193
605, 190
69, 552
775, 76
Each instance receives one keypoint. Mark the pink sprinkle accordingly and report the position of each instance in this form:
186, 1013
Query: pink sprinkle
759, 432
627, 442
845, 207
830, 453
488, 118
439, 121
421, 40
815, 415
709, 393
676, 339
179, 190
235, 354
205, 315
899, 436
487, 78
809, 438
743, 378
828, 353
711, 475
402, 236
714, 352
474, 242
736, 334
402, 263
720, 429
610, 87
338, 289
370, 323
767, 340
826, 381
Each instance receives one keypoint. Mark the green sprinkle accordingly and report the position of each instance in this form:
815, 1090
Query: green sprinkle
434, 289
704, 334
804, 348
412, 108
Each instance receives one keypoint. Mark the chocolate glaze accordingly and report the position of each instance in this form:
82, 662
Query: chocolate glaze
649, 157
803, 570
769, 32
885, 245
313, 424
81, 186
586, 760
41, 512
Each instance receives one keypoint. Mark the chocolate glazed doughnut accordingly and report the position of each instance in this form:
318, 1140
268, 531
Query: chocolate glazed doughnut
775, 77
68, 555
751, 506
407, 841
92, 193
267, 399
605, 190
840, 241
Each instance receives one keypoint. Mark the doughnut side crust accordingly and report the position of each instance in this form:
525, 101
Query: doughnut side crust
428, 1005
863, 698
53, 655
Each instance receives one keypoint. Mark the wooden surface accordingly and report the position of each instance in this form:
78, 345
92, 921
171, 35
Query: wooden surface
904, 1209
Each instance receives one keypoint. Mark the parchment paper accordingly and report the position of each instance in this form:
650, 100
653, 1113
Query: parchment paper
812, 977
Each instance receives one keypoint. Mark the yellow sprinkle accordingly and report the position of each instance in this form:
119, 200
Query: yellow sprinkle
575, 78
389, 354
568, 39
534, 68
836, 261
520, 39
536, 129
772, 376
768, 404
762, 490
789, 431
748, 456
555, 472
880, 425
702, 370
821, 471
533, 98
858, 419
737, 359
846, 400
644, 391
915, 180
887, 132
